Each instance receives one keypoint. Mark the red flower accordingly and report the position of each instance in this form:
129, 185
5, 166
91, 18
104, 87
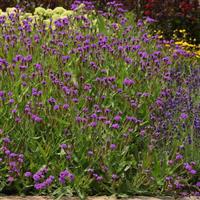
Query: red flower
150, 1
185, 7
148, 6
147, 13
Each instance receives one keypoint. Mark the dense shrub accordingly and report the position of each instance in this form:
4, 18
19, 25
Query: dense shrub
172, 15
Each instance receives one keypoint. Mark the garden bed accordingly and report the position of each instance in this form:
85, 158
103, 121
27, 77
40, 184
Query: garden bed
92, 103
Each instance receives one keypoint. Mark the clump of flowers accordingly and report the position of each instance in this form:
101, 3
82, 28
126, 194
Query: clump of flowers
105, 105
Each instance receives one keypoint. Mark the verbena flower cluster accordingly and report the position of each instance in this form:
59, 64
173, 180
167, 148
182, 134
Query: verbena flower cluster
91, 103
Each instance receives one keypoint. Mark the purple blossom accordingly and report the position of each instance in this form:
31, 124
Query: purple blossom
114, 177
179, 156
183, 116
10, 179
36, 177
63, 146
128, 82
56, 107
198, 184
115, 126
90, 153
113, 146
117, 118
193, 172
64, 175
28, 174
2, 93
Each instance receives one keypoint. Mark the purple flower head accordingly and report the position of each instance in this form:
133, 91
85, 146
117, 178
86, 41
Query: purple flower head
10, 179
117, 118
193, 172
64, 175
168, 178
7, 152
56, 107
23, 67
51, 100
170, 162
38, 66
65, 106
6, 140
49, 180
90, 153
115, 126
99, 178
71, 177
150, 20
93, 124
107, 110
65, 58
11, 101
188, 166
39, 186
183, 116
179, 156
63, 146
14, 111
68, 157
128, 82
75, 100
178, 185
2, 93
114, 177
94, 116
27, 174
36, 177
198, 184
90, 170
113, 146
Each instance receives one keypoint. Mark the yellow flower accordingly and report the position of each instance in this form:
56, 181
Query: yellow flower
182, 31
47, 22
59, 10
10, 10
55, 17
28, 15
4, 14
179, 42
40, 11
197, 52
67, 13
49, 12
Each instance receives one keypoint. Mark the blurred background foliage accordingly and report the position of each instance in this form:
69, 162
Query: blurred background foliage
170, 15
